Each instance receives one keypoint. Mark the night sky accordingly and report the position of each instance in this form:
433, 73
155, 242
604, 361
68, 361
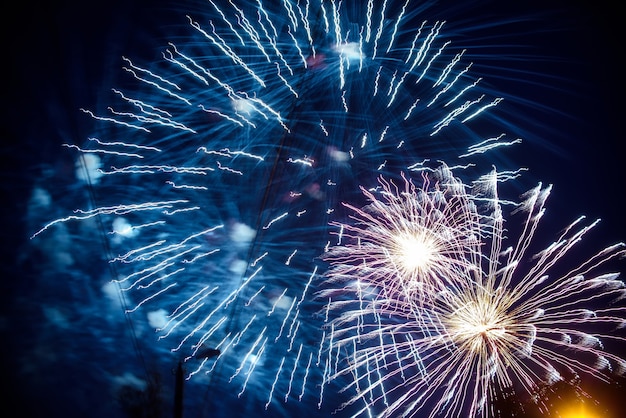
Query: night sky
555, 63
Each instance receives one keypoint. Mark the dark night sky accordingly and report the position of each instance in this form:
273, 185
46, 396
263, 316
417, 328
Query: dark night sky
556, 63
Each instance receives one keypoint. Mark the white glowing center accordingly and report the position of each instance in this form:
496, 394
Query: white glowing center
415, 251
477, 324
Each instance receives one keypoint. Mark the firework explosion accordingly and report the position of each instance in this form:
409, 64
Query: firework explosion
217, 168
448, 339
420, 239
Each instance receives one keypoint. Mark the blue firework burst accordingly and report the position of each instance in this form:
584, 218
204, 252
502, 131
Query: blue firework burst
216, 169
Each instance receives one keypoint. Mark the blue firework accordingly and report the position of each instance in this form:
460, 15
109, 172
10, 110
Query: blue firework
216, 168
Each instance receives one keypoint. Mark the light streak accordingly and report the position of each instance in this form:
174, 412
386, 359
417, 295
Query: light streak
280, 368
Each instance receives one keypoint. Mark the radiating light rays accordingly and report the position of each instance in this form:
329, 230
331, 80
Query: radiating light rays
507, 319
409, 240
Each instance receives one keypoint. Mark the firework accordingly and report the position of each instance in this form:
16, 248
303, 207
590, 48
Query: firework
215, 171
415, 240
488, 318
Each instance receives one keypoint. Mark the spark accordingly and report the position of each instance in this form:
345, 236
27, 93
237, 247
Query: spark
102, 151
113, 120
276, 219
